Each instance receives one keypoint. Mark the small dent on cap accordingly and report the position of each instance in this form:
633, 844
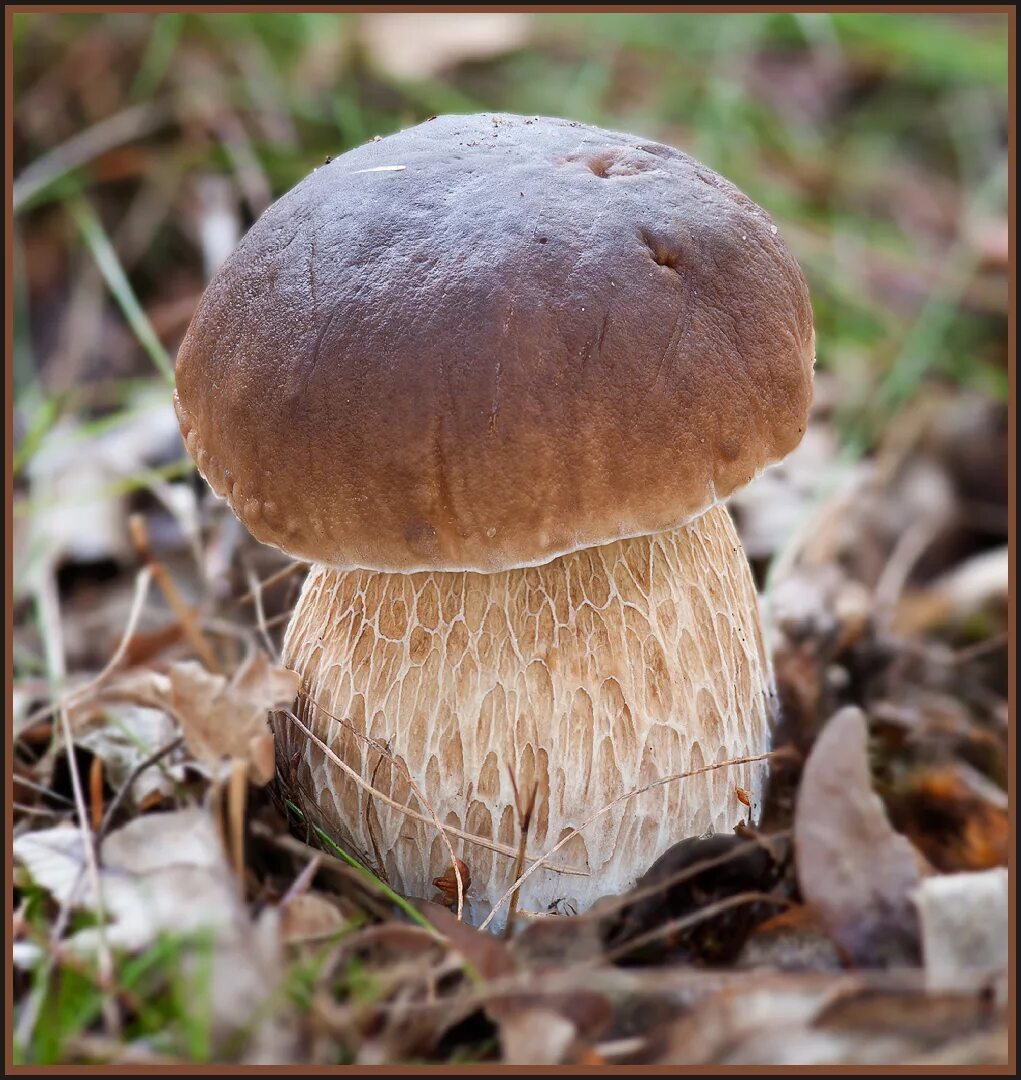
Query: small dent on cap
664, 250
611, 162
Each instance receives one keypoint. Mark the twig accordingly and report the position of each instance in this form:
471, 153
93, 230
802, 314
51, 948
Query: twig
33, 785
421, 798
384, 751
274, 579
608, 905
255, 588
675, 926
300, 850
75, 697
37, 811
941, 654
49, 610
135, 773
276, 620
237, 798
906, 553
524, 822
367, 818
369, 877
96, 792
142, 582
183, 614
303, 881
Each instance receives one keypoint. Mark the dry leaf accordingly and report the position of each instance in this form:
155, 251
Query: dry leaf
965, 941
685, 883
489, 956
125, 737
453, 883
79, 510
221, 719
310, 916
165, 873
539, 1028
531, 1034
852, 866
978, 584
161, 873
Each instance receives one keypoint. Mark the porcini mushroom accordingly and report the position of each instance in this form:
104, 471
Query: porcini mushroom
492, 376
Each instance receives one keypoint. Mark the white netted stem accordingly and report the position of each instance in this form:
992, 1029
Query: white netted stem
586, 677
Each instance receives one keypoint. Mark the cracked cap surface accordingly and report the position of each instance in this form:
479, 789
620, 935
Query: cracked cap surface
487, 341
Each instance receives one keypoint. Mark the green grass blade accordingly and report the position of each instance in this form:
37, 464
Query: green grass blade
370, 878
110, 267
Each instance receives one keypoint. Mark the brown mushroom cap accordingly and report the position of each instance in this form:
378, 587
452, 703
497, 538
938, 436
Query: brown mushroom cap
490, 340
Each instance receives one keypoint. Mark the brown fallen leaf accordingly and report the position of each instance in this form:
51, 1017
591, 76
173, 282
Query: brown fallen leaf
853, 868
858, 1019
531, 1034
695, 877
957, 817
221, 719
489, 956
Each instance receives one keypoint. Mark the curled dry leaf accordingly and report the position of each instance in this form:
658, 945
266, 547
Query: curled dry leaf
723, 1024
852, 866
221, 719
538, 1028
688, 903
955, 815
448, 885
531, 1034
979, 584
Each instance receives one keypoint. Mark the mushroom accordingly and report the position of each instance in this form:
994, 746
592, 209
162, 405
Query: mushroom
492, 377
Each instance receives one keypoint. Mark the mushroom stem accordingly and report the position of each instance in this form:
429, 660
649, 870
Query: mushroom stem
585, 677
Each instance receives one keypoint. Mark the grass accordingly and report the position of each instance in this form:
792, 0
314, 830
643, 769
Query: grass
110, 267
370, 879
168, 987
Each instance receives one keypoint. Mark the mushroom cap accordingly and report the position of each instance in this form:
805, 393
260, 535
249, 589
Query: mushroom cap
487, 341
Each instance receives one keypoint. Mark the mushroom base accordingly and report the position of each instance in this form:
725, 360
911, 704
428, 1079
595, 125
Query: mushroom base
580, 680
